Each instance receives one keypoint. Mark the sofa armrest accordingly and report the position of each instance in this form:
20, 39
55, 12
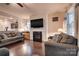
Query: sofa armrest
59, 49
4, 51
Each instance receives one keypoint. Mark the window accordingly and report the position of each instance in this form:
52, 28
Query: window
70, 23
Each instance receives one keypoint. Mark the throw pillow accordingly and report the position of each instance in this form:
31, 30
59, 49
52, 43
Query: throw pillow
70, 40
57, 37
8, 34
1, 37
13, 34
64, 37
67, 39
50, 37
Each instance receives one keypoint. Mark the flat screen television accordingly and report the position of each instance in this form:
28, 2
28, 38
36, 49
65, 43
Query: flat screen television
37, 23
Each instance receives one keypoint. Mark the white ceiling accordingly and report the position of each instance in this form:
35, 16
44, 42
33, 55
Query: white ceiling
47, 7
33, 8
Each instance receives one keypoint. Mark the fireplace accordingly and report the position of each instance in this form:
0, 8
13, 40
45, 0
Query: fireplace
37, 36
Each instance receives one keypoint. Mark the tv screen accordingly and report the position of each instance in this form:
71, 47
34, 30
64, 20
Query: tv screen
36, 23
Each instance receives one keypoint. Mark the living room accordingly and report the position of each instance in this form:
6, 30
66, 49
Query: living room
26, 29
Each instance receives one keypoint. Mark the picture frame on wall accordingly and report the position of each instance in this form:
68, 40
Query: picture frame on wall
55, 19
14, 25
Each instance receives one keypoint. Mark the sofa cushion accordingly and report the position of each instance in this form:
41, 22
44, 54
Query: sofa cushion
1, 37
57, 38
67, 39
11, 38
8, 39
71, 40
8, 34
11, 34
64, 37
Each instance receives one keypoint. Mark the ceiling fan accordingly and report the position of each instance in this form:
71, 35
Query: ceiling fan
20, 4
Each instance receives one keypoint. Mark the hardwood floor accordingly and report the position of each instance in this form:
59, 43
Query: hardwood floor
26, 48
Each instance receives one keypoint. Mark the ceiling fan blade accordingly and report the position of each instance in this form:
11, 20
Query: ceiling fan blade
20, 4
7, 3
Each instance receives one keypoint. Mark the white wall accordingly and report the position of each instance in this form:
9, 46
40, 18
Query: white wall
1, 25
54, 26
5, 23
22, 24
44, 29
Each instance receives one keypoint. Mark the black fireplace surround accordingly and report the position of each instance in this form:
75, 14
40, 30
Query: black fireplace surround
37, 36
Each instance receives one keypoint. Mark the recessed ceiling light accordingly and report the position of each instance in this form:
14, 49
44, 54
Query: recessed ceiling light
11, 18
